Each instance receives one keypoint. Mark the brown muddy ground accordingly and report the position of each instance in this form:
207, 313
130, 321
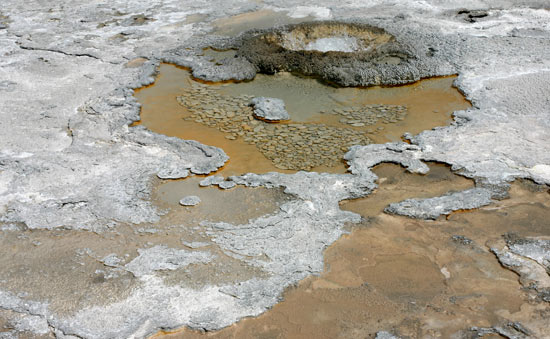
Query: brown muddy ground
430, 103
418, 279
69, 262
236, 206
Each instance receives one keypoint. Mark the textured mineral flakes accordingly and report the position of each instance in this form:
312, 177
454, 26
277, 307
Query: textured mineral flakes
164, 258
530, 259
190, 200
432, 208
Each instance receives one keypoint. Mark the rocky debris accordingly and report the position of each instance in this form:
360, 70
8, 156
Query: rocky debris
136, 20
161, 257
190, 200
29, 315
512, 330
32, 324
530, 259
312, 185
269, 109
217, 180
289, 146
432, 208
361, 158
535, 249
111, 260
462, 240
359, 116
226, 69
226, 185
211, 180
192, 156
499, 189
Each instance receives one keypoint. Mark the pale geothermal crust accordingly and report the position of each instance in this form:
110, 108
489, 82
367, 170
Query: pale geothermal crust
70, 164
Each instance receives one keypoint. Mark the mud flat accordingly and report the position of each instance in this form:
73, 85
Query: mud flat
413, 278
235, 206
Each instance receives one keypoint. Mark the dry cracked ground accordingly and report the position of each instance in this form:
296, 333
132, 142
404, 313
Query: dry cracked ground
94, 245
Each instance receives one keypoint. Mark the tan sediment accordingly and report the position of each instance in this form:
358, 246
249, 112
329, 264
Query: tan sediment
322, 126
409, 276
162, 113
69, 262
235, 206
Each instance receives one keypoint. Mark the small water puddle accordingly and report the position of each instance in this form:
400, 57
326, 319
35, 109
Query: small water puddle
325, 121
235, 206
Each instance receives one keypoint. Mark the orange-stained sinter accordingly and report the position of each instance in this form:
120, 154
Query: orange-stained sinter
325, 121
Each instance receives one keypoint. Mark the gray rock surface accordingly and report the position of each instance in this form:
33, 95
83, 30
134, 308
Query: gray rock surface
211, 180
530, 259
203, 68
511, 330
391, 62
226, 185
69, 159
432, 208
270, 109
190, 200
385, 335
361, 158
160, 258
